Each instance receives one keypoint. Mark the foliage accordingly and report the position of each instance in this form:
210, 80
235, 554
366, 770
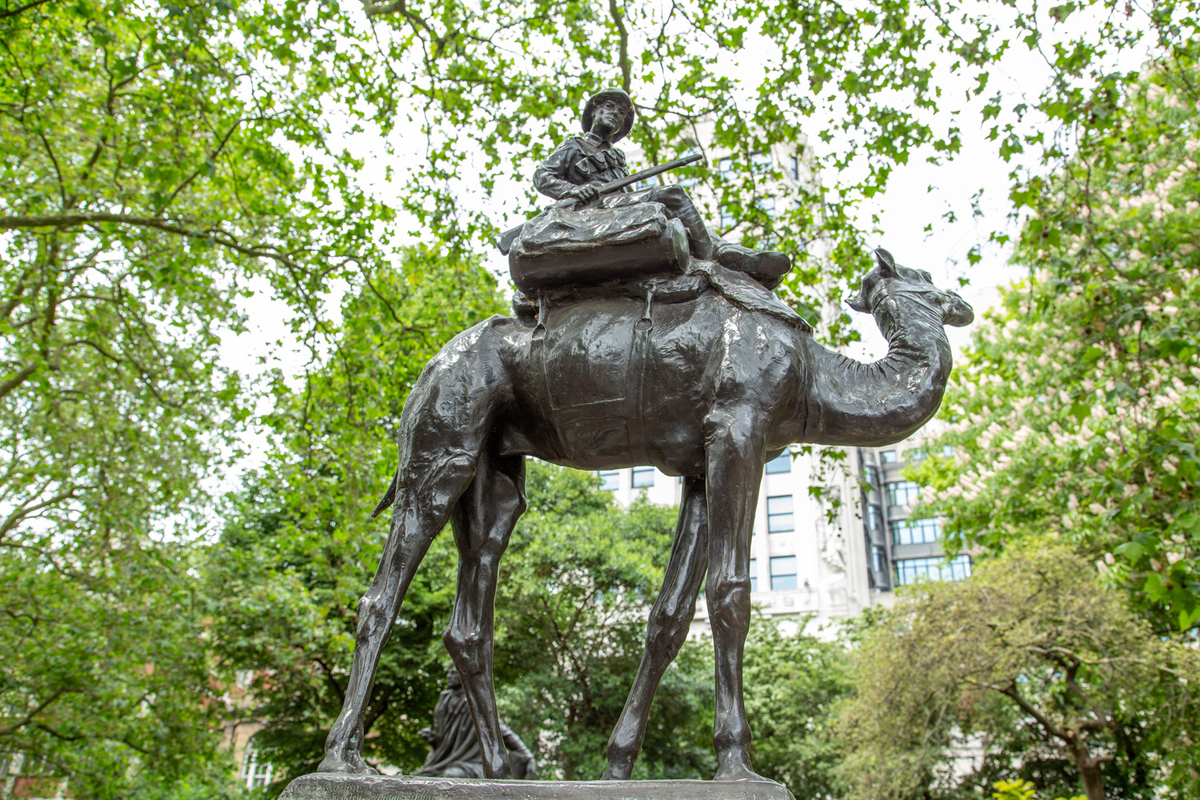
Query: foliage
498, 85
105, 676
151, 170
1032, 644
792, 685
1020, 790
1076, 410
577, 582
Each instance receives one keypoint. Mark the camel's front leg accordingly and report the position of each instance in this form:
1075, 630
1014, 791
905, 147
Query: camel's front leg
735, 464
667, 628
483, 521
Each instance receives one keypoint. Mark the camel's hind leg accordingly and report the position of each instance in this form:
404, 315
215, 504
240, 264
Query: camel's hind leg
483, 521
667, 628
441, 436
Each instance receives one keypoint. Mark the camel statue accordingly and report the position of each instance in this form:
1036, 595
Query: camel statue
700, 388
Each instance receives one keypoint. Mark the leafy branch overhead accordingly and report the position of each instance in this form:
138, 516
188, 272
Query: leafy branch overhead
1076, 409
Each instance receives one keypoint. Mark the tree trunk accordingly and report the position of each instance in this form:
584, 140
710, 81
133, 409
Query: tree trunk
1089, 769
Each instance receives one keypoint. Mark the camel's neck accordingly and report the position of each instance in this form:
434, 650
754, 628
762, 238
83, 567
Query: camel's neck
881, 403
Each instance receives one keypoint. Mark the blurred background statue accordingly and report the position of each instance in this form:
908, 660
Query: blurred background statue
455, 743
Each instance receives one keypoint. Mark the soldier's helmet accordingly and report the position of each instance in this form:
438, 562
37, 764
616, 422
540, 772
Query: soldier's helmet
622, 97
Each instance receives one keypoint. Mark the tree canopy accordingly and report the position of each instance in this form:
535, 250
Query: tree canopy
1076, 408
1033, 660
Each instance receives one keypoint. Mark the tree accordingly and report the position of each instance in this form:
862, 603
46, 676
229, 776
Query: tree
1076, 409
162, 162
792, 686
151, 170
1034, 648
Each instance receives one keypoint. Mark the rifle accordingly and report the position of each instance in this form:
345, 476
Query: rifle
505, 240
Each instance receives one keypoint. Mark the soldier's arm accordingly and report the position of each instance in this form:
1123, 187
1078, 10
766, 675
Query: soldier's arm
550, 178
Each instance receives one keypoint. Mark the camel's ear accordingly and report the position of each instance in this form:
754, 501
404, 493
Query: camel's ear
858, 303
887, 264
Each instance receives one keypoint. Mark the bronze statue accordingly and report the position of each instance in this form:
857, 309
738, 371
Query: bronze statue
692, 372
577, 170
454, 745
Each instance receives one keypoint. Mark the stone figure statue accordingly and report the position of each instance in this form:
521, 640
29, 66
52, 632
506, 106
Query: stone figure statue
644, 340
454, 745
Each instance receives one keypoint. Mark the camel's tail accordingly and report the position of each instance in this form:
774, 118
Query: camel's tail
388, 498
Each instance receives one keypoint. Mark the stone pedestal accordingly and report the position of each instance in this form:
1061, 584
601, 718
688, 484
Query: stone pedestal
377, 787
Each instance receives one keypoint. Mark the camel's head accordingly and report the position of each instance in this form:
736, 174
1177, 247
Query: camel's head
889, 280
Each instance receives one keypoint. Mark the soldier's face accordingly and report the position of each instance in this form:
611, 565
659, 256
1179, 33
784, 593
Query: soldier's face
607, 118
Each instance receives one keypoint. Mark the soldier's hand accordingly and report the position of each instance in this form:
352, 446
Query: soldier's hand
586, 193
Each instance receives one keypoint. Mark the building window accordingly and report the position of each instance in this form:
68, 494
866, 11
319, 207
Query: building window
760, 163
903, 493
754, 574
911, 570
795, 168
947, 451
915, 454
871, 476
783, 573
767, 206
888, 457
916, 531
643, 476
878, 558
255, 772
727, 220
610, 479
779, 514
781, 464
874, 518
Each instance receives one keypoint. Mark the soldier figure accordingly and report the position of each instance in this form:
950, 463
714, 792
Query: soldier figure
582, 164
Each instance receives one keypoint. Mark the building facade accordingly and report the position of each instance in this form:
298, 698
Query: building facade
833, 532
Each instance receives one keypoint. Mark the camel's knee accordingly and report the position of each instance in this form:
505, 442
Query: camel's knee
467, 648
732, 431
729, 603
665, 634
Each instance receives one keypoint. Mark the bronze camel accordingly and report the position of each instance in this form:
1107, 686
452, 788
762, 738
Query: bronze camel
702, 389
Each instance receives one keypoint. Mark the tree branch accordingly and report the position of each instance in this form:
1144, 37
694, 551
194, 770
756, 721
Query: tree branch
16, 380
6, 13
623, 56
223, 238
11, 729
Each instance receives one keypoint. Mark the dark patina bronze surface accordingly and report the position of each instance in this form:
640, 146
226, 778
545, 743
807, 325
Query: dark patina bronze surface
708, 388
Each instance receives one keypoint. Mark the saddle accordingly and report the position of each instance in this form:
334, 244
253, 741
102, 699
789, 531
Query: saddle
565, 256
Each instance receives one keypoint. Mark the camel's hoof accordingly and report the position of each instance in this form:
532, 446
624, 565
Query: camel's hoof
742, 774
350, 764
617, 772
736, 768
